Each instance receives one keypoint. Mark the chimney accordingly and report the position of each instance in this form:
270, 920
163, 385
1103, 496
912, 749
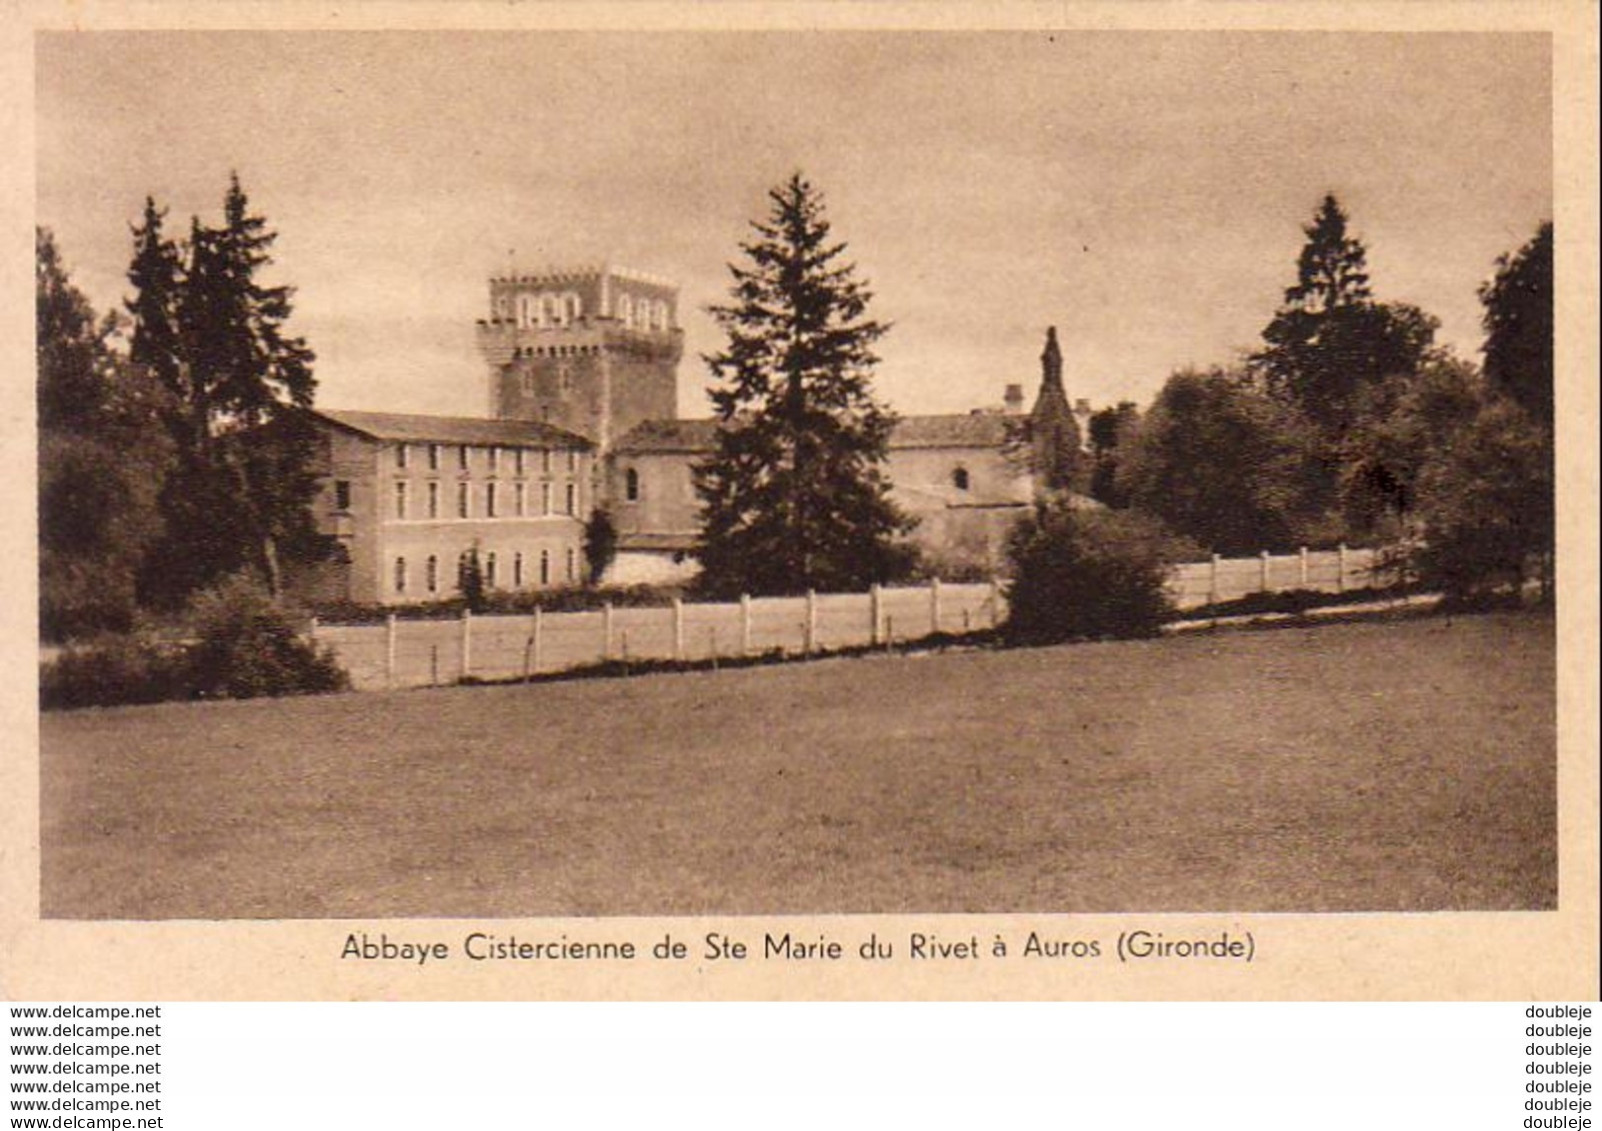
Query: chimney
1013, 400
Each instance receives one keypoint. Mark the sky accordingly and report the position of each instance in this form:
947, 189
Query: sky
1144, 192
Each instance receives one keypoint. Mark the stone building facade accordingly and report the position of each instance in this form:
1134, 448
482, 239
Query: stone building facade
582, 383
407, 498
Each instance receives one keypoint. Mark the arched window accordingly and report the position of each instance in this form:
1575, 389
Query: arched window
959, 478
550, 310
517, 570
625, 310
572, 564
489, 571
573, 307
432, 577
631, 485
545, 567
400, 575
528, 313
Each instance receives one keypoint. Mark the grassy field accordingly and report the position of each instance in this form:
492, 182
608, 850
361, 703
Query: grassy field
1374, 766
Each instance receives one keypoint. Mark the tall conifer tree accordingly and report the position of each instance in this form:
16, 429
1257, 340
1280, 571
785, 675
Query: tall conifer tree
215, 334
795, 497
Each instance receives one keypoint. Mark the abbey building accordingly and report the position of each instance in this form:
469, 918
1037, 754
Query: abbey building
581, 394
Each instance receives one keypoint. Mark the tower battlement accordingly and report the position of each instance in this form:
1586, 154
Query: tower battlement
590, 348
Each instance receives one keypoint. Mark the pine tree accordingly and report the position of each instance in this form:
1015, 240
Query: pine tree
215, 336
1331, 338
795, 498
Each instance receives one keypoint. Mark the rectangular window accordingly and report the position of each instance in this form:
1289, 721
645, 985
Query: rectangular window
489, 500
572, 459
545, 460
572, 564
517, 570
518, 460
433, 499
400, 456
461, 457
494, 460
433, 457
342, 494
545, 498
489, 571
400, 575
433, 574
571, 500
463, 507
545, 567
522, 499
400, 499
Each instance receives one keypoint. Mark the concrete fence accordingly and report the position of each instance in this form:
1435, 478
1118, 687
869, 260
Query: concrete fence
420, 653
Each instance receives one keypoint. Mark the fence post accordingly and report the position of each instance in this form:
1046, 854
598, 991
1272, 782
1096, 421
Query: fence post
678, 629
1212, 580
467, 641
873, 614
389, 650
745, 624
1340, 568
606, 631
934, 606
1304, 575
809, 638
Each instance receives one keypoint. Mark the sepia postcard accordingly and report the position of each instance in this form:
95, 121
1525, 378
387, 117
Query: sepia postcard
1089, 501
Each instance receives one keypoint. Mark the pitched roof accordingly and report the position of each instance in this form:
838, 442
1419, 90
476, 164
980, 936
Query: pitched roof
669, 436
956, 430
453, 429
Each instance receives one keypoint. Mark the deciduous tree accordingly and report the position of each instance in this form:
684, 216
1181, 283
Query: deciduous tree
102, 458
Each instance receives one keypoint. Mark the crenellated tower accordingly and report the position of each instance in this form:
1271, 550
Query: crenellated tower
592, 350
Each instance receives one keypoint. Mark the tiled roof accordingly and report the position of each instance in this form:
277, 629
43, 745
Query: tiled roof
958, 430
669, 436
453, 429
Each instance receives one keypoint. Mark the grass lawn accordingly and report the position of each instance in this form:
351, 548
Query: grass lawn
1393, 765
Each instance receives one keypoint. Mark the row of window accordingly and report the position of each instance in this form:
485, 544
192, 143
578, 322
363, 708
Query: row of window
495, 502
495, 458
520, 571
548, 309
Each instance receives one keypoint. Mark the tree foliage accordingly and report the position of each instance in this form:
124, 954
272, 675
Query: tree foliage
239, 387
1330, 338
794, 497
600, 544
1112, 432
1519, 326
1086, 574
1401, 424
101, 460
1220, 463
1486, 502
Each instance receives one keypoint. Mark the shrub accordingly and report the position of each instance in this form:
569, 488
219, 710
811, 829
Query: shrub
1080, 574
113, 670
247, 645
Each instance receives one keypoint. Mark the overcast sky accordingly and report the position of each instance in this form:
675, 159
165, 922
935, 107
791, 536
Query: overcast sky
1143, 192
